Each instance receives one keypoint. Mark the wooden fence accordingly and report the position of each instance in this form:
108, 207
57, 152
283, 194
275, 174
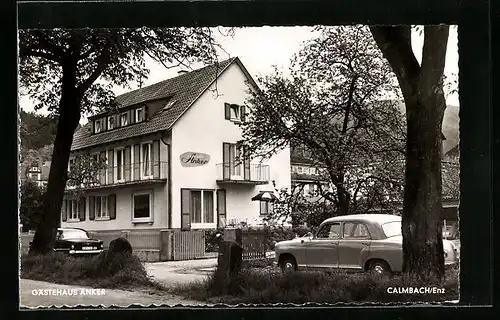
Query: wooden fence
188, 245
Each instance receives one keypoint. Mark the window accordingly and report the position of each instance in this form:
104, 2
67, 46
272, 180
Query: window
235, 112
392, 229
101, 207
124, 119
146, 170
111, 122
355, 230
139, 115
202, 206
120, 164
299, 169
266, 208
97, 126
141, 204
236, 158
34, 176
329, 231
73, 210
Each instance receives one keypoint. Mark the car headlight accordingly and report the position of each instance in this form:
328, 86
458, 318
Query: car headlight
72, 247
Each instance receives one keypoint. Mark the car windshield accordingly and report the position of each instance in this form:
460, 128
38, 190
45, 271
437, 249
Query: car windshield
392, 229
74, 234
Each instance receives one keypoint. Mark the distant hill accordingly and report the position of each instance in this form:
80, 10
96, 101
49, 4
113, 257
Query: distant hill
36, 131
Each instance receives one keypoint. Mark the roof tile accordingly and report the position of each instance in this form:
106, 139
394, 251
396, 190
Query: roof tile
185, 88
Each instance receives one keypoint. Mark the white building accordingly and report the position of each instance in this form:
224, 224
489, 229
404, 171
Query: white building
172, 156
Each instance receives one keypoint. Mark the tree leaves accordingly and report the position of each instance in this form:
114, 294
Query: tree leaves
335, 105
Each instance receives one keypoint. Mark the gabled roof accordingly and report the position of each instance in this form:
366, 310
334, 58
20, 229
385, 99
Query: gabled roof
185, 89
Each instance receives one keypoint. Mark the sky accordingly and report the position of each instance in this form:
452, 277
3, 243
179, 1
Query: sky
261, 48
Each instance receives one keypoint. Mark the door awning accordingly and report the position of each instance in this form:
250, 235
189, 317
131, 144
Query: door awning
265, 196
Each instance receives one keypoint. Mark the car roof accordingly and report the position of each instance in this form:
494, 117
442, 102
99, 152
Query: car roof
69, 229
368, 217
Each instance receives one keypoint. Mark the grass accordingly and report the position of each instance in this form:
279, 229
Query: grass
120, 271
267, 285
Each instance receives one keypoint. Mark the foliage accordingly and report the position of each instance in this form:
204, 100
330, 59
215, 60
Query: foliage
270, 286
336, 105
451, 180
31, 207
102, 271
36, 131
85, 171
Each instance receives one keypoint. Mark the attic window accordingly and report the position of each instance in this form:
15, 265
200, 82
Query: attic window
97, 126
169, 104
124, 119
111, 122
139, 115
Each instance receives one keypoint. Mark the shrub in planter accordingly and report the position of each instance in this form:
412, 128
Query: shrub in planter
211, 240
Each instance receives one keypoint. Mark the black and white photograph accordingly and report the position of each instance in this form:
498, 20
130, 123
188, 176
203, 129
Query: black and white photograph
202, 166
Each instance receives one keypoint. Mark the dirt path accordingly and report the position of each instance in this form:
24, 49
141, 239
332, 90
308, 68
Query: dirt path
65, 295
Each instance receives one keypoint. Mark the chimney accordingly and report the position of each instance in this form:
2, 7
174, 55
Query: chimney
181, 72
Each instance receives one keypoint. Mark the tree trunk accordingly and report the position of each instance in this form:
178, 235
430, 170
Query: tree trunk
423, 255
422, 88
69, 117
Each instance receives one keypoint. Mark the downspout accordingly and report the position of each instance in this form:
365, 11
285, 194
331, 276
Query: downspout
169, 183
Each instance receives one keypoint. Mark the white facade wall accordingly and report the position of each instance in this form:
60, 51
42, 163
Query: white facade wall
203, 128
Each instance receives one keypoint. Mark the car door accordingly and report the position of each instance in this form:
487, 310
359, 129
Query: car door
322, 250
354, 245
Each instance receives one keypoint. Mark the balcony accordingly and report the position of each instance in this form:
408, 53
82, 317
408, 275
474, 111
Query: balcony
253, 174
127, 174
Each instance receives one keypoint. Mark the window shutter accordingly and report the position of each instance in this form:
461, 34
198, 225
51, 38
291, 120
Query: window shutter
221, 208
111, 166
246, 163
64, 213
81, 209
91, 208
127, 164
226, 165
145, 111
112, 206
137, 164
185, 209
104, 123
155, 157
243, 113
227, 111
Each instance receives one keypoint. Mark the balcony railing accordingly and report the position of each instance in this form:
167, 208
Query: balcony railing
130, 173
249, 174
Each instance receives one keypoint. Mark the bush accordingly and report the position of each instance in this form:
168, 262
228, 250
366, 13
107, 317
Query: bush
265, 286
119, 270
211, 241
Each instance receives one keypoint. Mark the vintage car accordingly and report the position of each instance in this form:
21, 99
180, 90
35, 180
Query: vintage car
75, 241
361, 242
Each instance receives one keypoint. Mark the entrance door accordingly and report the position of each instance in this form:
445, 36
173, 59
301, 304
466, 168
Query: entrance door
236, 160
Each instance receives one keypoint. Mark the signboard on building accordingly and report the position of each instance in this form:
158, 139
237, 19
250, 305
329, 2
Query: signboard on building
194, 159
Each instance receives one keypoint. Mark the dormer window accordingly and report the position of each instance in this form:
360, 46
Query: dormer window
139, 115
124, 119
98, 125
111, 122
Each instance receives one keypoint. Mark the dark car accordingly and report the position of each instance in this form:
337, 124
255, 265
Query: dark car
75, 241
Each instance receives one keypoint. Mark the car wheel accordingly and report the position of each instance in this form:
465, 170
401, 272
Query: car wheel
288, 265
380, 267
